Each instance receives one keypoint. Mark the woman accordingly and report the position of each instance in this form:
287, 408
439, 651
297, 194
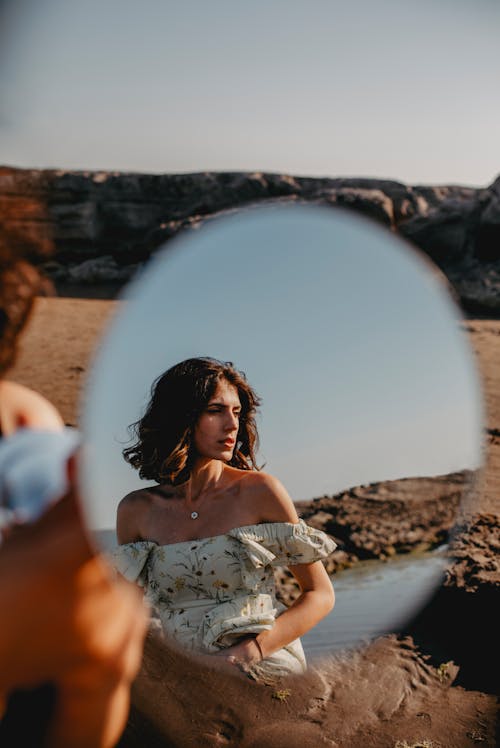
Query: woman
203, 541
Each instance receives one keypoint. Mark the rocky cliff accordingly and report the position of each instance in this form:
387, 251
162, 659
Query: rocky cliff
97, 227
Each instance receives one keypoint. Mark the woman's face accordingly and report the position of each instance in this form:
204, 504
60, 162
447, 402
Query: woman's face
217, 427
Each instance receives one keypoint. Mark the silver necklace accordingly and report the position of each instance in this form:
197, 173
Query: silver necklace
194, 514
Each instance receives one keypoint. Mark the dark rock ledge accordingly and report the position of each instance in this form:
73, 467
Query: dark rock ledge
382, 519
99, 227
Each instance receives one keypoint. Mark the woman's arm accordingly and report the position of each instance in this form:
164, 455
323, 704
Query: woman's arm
316, 600
89, 627
317, 597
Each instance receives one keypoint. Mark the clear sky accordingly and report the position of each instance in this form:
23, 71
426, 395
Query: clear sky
345, 333
395, 88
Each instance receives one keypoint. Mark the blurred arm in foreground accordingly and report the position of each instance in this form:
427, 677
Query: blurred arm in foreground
67, 622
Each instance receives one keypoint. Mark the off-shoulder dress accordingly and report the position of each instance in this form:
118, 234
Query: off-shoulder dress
209, 593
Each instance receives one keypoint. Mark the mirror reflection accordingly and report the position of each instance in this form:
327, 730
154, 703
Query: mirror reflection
369, 426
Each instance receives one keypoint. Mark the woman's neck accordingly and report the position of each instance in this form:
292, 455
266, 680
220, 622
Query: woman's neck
205, 477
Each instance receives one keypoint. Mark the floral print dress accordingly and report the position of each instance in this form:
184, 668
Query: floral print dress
209, 593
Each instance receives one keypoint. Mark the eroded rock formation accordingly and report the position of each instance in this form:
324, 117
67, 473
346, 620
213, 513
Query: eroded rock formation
100, 226
382, 519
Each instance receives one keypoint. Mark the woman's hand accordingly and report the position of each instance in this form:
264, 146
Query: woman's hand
242, 655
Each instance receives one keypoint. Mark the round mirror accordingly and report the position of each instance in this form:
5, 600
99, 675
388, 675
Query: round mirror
371, 412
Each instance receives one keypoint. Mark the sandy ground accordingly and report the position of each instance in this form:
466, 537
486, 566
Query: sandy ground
57, 349
485, 340
388, 695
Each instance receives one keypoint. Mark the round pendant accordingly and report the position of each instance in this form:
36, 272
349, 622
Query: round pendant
194, 515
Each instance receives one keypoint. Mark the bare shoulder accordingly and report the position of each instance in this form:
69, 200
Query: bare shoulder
137, 497
129, 517
272, 500
23, 407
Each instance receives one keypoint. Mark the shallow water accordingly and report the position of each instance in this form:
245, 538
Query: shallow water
374, 598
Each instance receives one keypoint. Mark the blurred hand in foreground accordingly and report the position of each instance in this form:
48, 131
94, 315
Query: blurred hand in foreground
67, 620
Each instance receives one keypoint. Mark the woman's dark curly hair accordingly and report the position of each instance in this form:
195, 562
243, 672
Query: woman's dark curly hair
19, 284
164, 449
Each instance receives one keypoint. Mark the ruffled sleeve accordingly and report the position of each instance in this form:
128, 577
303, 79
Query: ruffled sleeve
284, 543
132, 560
